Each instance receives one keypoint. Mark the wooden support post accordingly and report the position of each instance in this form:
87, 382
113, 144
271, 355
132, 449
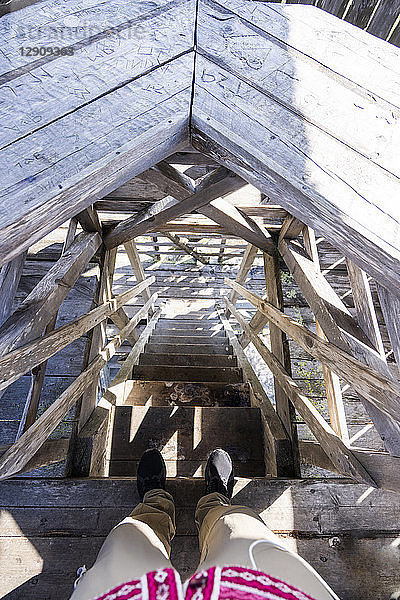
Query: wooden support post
364, 305
333, 389
136, 265
221, 250
156, 247
277, 446
39, 370
89, 220
390, 305
375, 387
339, 454
10, 274
248, 259
179, 244
280, 349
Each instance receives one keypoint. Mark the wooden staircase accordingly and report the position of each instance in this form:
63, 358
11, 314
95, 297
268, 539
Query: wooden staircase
188, 397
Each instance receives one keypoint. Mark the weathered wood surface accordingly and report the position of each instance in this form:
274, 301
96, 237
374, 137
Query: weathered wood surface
301, 150
19, 362
247, 261
340, 455
342, 329
34, 313
129, 129
391, 311
383, 467
43, 520
369, 383
216, 184
10, 274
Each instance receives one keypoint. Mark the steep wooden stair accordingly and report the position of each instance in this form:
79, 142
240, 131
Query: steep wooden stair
207, 406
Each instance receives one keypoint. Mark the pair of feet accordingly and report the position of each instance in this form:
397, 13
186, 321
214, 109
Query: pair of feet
152, 473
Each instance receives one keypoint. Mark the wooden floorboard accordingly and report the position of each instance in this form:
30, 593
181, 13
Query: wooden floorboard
347, 531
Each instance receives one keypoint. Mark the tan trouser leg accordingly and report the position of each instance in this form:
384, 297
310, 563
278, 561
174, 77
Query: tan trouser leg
226, 533
139, 544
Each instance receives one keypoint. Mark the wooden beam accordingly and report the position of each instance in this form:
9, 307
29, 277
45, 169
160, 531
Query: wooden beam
186, 248
39, 370
29, 443
51, 452
20, 361
136, 265
390, 305
341, 329
333, 389
372, 385
115, 392
219, 210
10, 274
383, 468
218, 183
248, 259
330, 442
277, 447
89, 220
364, 305
35, 312
238, 223
291, 228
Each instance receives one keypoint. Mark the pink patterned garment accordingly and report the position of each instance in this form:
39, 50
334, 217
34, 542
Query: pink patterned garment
228, 583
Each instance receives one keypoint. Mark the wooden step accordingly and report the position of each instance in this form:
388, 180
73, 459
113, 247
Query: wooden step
185, 436
192, 339
209, 333
193, 393
173, 348
188, 360
160, 372
197, 325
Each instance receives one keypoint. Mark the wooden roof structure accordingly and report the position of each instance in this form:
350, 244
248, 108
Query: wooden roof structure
252, 126
312, 125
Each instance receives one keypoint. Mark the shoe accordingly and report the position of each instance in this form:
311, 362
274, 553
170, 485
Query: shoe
219, 473
151, 472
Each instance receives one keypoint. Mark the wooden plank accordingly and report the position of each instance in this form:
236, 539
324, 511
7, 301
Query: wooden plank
384, 468
391, 313
341, 329
280, 349
115, 393
335, 7
22, 360
35, 312
52, 451
248, 259
372, 385
332, 383
155, 123
364, 305
218, 183
89, 220
30, 442
10, 274
238, 223
330, 442
136, 265
277, 445
360, 12
383, 18
366, 233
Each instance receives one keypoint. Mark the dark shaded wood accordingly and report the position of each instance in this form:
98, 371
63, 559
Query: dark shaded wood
384, 17
10, 274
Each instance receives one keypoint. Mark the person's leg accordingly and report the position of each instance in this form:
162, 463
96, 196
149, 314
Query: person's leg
139, 544
228, 536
